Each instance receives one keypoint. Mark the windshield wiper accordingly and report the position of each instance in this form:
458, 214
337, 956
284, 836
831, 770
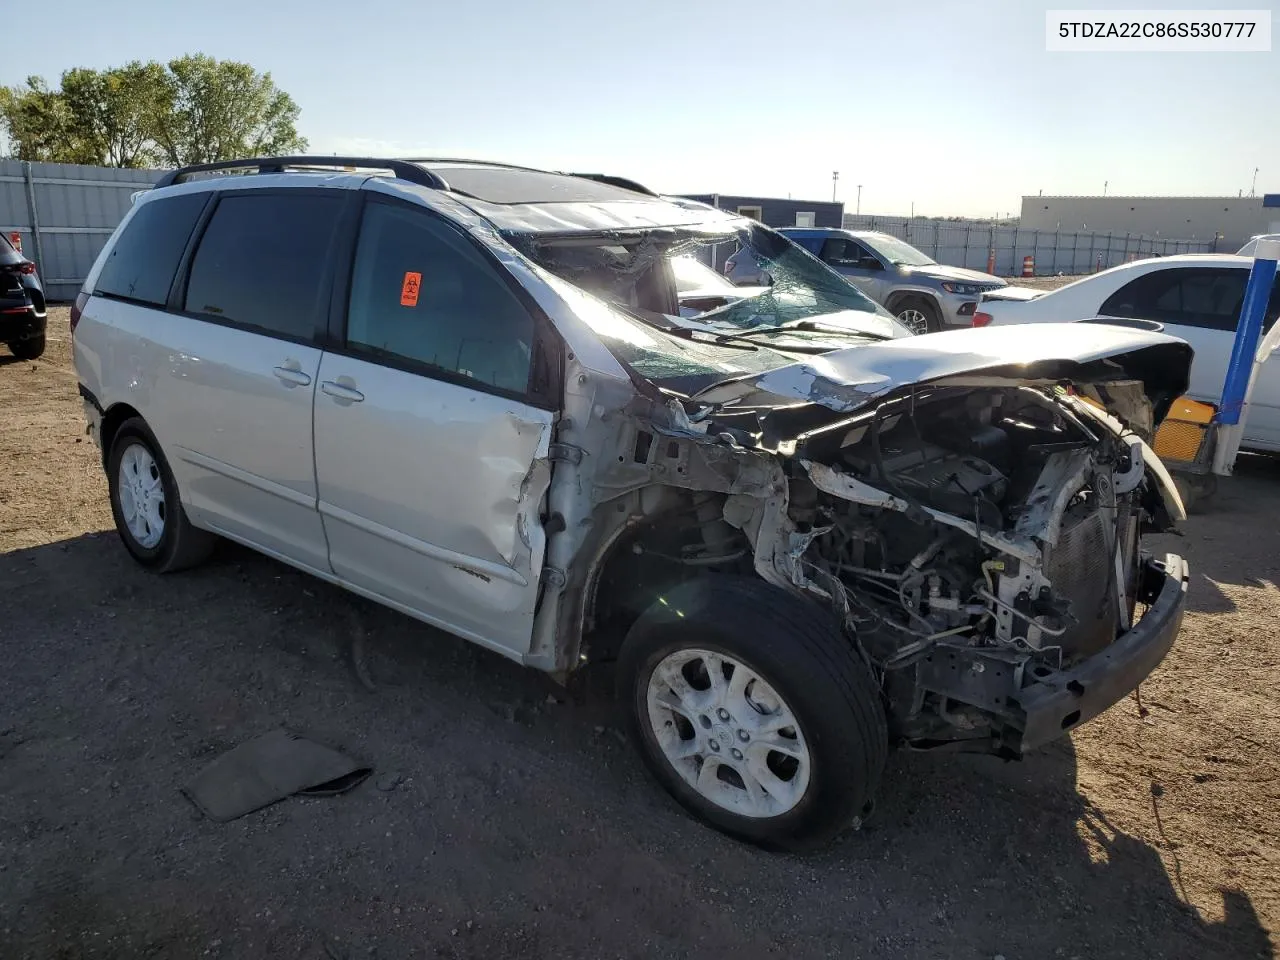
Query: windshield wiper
686, 333
805, 326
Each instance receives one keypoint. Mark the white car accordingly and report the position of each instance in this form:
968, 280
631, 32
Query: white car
1196, 297
1248, 249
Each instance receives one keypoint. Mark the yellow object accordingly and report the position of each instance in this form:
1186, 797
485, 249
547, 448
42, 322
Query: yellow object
1183, 430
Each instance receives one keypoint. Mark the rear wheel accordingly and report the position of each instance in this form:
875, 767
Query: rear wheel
29, 348
753, 709
144, 502
918, 314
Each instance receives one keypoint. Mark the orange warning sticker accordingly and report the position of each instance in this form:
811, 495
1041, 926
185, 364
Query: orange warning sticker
409, 289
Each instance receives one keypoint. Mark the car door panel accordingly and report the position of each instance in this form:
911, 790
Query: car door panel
239, 438
431, 460
430, 492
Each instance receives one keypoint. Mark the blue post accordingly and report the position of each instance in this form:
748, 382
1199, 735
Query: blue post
1240, 368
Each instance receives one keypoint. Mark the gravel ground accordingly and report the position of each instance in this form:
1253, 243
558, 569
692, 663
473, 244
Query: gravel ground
504, 820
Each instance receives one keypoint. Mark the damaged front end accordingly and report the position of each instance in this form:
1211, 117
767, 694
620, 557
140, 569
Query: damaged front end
969, 504
974, 519
979, 530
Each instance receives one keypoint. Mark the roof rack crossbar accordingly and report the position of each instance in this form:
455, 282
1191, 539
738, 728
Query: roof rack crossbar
404, 169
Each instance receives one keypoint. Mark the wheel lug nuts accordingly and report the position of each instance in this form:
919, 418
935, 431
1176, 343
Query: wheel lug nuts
744, 736
737, 754
722, 713
715, 746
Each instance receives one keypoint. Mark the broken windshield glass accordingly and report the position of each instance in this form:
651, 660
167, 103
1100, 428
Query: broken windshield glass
801, 288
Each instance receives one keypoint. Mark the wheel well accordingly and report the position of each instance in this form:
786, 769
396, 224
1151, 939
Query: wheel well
111, 422
895, 301
666, 549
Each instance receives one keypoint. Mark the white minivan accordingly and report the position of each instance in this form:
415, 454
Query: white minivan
472, 393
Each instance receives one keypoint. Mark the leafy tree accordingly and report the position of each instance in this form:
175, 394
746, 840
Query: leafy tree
220, 110
37, 122
115, 111
194, 110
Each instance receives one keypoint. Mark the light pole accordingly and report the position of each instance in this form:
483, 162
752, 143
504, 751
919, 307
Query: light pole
858, 208
835, 176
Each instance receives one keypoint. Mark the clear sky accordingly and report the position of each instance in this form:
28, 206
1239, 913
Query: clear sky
955, 107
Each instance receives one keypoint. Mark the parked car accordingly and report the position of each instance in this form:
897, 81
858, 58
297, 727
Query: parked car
463, 390
1196, 297
1248, 249
22, 307
925, 295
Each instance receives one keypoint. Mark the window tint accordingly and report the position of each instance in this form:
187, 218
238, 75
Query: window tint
263, 261
421, 291
1194, 296
145, 257
842, 250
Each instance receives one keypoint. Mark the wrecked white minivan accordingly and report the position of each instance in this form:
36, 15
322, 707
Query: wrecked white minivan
472, 392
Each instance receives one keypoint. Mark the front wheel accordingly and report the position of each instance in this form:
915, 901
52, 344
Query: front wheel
919, 315
754, 711
28, 349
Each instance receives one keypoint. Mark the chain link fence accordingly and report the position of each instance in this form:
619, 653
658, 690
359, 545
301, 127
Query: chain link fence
982, 245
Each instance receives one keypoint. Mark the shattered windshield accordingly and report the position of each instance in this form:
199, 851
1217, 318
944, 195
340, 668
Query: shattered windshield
896, 251
629, 286
801, 288
691, 275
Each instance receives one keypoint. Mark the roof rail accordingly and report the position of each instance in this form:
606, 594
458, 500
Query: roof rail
403, 169
613, 181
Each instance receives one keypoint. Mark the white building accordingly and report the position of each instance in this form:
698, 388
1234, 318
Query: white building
1232, 220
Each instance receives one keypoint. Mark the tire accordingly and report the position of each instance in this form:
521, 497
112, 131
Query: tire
177, 543
919, 314
29, 348
784, 643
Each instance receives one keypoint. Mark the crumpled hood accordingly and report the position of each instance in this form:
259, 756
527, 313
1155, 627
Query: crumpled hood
847, 380
938, 271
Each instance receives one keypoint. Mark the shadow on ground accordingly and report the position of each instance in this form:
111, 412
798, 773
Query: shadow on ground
498, 823
1213, 543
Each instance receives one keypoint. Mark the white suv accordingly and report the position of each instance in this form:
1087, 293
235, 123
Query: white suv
466, 391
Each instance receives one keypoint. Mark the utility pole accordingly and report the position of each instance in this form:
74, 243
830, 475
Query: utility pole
1253, 188
858, 208
835, 177
1104, 187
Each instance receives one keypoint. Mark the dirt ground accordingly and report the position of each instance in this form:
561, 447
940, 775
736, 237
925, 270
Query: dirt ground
502, 823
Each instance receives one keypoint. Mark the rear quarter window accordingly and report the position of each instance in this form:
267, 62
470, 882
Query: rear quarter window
145, 257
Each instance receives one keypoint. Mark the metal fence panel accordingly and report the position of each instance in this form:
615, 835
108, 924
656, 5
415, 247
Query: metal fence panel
64, 213
1000, 249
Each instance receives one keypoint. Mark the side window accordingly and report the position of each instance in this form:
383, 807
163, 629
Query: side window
839, 250
422, 292
263, 261
1194, 297
145, 257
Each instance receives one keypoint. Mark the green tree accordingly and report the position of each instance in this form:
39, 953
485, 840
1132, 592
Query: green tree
220, 110
36, 122
115, 112
194, 110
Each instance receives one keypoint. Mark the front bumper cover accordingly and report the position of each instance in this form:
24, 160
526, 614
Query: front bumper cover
1067, 698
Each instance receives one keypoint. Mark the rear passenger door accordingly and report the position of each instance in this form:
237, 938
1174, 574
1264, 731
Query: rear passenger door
236, 395
1202, 306
433, 420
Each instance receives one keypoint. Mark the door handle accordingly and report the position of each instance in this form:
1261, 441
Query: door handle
341, 391
291, 375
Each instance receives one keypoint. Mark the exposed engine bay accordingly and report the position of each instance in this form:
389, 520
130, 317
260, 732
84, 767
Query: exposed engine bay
1019, 467
977, 541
